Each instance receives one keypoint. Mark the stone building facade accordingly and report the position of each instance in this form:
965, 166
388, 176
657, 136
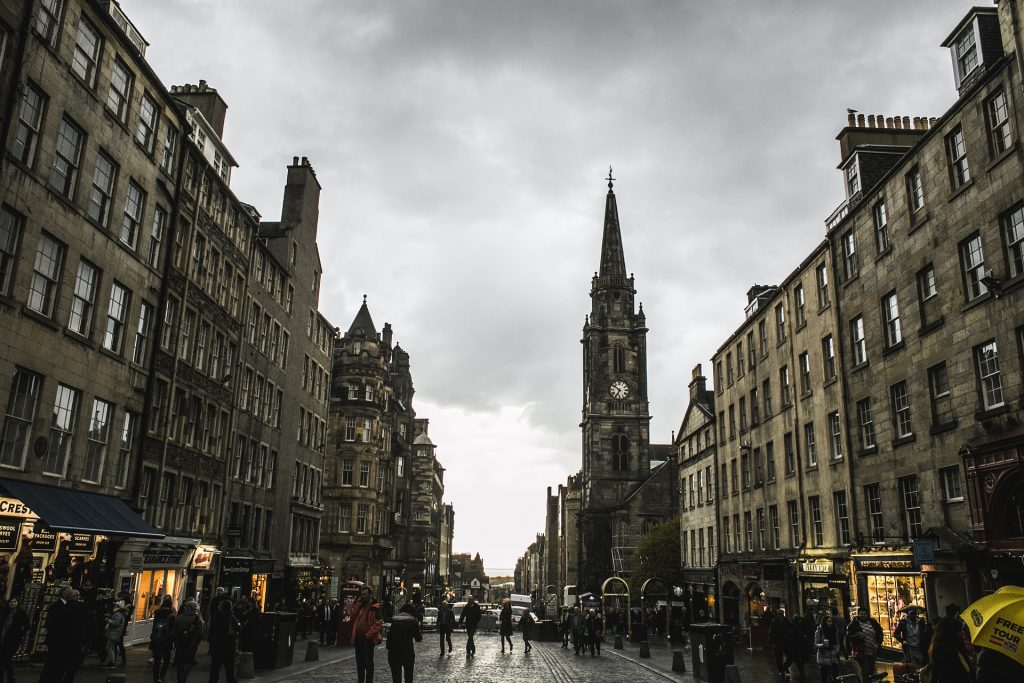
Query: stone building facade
426, 493
623, 493
695, 445
927, 252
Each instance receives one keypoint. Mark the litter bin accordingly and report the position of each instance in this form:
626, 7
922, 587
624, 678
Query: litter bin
275, 644
711, 645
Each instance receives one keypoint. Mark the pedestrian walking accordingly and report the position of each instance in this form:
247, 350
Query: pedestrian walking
826, 645
445, 625
113, 630
306, 615
863, 638
802, 629
471, 618
327, 621
66, 632
224, 628
915, 635
780, 633
577, 630
840, 623
505, 624
563, 627
160, 641
404, 631
366, 632
219, 595
187, 634
948, 662
526, 625
592, 627
13, 626
248, 614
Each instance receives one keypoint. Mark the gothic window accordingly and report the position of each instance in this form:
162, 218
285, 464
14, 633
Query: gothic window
620, 452
618, 358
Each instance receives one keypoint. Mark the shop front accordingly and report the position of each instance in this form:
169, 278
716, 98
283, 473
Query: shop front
248, 576
202, 575
52, 538
158, 571
824, 584
887, 585
698, 595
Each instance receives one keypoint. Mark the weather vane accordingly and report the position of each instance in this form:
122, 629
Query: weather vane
610, 179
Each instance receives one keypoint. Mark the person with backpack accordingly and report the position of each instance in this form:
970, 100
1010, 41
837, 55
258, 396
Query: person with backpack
224, 629
187, 633
405, 628
160, 641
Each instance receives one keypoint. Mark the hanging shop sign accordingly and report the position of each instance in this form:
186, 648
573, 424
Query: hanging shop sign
43, 538
81, 543
203, 557
160, 555
924, 551
10, 529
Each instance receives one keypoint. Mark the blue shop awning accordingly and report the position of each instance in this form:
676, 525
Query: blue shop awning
81, 511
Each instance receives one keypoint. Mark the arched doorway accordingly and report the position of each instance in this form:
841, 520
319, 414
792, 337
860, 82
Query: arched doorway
756, 602
730, 603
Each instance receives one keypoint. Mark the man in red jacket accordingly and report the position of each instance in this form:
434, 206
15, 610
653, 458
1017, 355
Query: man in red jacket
366, 632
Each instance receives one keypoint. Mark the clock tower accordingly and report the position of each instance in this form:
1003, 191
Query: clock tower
616, 437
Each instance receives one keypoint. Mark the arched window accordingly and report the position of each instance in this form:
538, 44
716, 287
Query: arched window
620, 452
618, 358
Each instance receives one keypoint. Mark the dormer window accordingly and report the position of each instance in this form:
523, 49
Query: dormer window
965, 52
852, 178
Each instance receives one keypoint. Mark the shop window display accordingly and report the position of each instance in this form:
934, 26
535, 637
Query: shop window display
151, 587
888, 596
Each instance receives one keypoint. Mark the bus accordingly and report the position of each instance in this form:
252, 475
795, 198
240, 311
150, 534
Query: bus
569, 596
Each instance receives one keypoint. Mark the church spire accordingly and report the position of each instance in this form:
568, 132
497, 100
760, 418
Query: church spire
613, 261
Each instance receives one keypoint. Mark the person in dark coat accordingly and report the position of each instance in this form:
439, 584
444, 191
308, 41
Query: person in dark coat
577, 630
305, 621
526, 626
187, 634
802, 629
249, 617
220, 595
224, 629
592, 624
471, 618
445, 625
366, 632
949, 662
405, 629
327, 621
915, 635
505, 624
65, 636
160, 641
780, 633
995, 667
826, 645
13, 626
563, 627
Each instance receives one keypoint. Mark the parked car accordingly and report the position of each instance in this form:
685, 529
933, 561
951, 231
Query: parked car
429, 618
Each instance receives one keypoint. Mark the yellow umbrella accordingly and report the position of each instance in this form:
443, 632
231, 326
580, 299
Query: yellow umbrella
996, 621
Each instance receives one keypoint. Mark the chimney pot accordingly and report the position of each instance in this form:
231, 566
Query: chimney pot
860, 120
295, 161
899, 123
851, 120
906, 122
888, 122
202, 84
305, 161
931, 122
871, 120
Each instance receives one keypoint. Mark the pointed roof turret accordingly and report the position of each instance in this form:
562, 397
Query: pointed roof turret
613, 261
362, 326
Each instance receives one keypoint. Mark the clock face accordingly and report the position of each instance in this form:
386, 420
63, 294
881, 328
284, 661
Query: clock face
619, 389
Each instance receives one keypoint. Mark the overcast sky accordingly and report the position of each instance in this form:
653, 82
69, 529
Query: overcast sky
462, 148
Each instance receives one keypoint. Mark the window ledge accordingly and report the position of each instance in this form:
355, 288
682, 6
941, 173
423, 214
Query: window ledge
812, 468
39, 318
871, 450
1012, 284
83, 340
977, 301
941, 427
848, 281
800, 326
916, 223
882, 254
8, 301
807, 394
903, 440
123, 125
898, 346
928, 328
830, 381
780, 342
956, 193
790, 475
822, 309
1005, 154
835, 461
992, 412
860, 366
